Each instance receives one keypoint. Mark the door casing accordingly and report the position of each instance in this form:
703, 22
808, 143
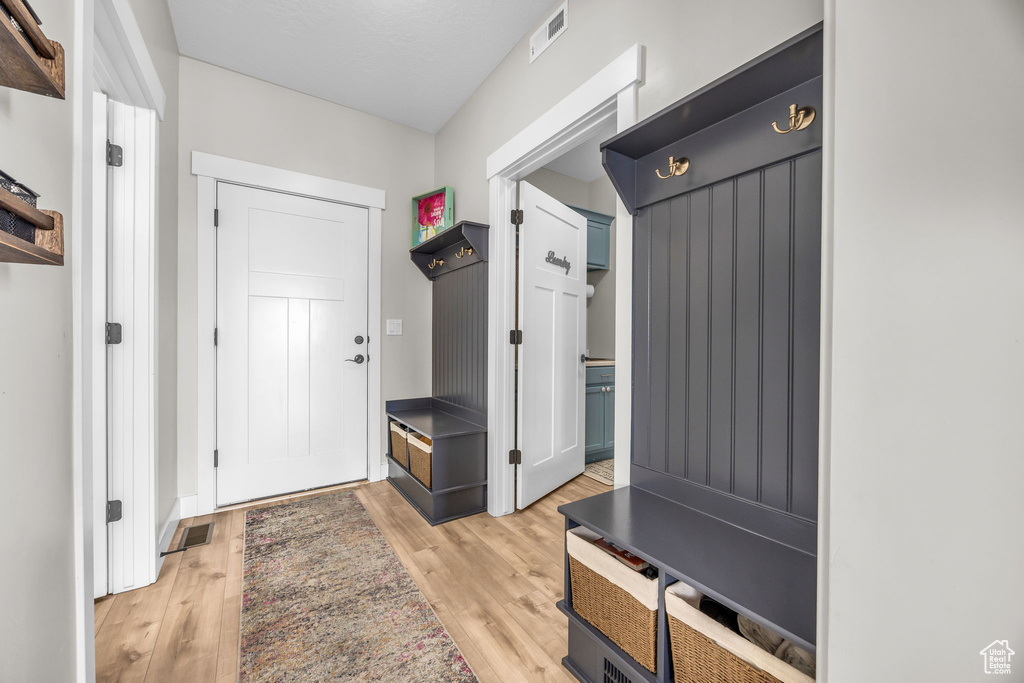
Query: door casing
211, 169
609, 95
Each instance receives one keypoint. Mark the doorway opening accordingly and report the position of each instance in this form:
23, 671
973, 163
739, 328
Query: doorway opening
604, 105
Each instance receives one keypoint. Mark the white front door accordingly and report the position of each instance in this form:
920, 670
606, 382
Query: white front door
553, 318
291, 326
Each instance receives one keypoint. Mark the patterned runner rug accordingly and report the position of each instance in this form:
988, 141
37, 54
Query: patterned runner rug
325, 598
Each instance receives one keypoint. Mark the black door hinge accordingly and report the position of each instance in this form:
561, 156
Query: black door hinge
115, 154
517, 216
216, 458
114, 511
113, 333
515, 337
215, 336
216, 218
515, 457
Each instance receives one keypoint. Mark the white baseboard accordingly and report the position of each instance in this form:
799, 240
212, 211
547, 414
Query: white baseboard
189, 506
183, 508
383, 472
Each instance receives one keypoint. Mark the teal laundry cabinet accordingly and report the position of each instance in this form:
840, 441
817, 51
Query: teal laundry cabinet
600, 406
599, 238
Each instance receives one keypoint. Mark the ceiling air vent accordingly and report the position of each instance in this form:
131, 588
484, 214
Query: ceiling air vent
551, 29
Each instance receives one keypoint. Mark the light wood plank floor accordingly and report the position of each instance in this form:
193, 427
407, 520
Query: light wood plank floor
492, 581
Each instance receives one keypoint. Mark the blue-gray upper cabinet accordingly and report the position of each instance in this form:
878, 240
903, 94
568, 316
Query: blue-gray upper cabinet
599, 238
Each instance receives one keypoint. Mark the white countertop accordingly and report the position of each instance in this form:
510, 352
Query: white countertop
601, 363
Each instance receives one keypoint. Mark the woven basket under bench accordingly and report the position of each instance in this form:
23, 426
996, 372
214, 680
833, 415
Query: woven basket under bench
399, 444
705, 651
618, 601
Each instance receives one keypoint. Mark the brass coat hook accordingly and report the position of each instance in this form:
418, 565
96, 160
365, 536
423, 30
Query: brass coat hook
435, 263
464, 251
675, 168
798, 119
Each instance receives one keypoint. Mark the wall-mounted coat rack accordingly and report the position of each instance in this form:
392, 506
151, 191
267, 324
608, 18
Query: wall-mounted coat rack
28, 59
459, 246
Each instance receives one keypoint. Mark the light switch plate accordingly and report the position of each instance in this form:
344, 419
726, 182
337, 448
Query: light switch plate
394, 328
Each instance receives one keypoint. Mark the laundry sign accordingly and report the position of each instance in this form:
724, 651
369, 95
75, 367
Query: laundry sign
562, 262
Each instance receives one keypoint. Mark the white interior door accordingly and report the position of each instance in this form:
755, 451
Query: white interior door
291, 324
131, 303
553, 318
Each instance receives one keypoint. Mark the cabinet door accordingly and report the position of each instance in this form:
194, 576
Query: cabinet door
595, 431
609, 417
598, 245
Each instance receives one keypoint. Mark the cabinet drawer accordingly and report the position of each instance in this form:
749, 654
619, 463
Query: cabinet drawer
601, 375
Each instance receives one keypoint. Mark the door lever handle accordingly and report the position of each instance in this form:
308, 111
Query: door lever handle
584, 358
358, 360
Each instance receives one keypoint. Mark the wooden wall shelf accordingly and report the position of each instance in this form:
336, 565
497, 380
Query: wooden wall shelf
29, 61
48, 247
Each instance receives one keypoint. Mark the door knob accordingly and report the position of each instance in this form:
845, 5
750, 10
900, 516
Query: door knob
584, 358
359, 339
358, 360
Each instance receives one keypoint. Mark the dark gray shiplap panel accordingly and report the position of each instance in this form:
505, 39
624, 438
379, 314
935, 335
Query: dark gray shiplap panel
460, 337
696, 308
747, 445
775, 337
661, 231
722, 341
806, 334
726, 308
641, 419
674, 309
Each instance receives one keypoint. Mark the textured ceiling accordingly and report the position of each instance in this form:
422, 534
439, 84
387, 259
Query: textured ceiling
411, 61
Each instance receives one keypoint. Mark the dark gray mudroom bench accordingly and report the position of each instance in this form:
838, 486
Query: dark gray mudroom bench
455, 417
723, 490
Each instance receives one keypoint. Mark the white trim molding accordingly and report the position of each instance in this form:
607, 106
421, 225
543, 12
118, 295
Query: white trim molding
123, 67
211, 169
610, 95
280, 180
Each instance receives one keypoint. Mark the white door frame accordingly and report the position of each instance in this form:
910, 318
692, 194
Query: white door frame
609, 95
211, 169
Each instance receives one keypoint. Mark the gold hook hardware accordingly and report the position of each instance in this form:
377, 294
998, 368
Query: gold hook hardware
464, 251
798, 119
435, 263
675, 167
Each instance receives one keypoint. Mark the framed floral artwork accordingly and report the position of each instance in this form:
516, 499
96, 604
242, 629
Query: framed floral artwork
432, 214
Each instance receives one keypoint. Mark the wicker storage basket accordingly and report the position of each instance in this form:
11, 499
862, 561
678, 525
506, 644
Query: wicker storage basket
420, 453
399, 444
704, 651
619, 602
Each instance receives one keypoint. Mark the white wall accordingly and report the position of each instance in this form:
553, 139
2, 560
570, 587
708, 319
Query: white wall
601, 306
689, 44
154, 21
37, 626
927, 443
236, 116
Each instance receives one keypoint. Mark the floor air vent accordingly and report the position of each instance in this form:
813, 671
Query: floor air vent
613, 675
193, 536
196, 535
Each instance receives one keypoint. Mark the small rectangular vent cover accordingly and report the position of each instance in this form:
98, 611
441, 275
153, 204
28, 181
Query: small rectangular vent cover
196, 535
613, 675
555, 26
